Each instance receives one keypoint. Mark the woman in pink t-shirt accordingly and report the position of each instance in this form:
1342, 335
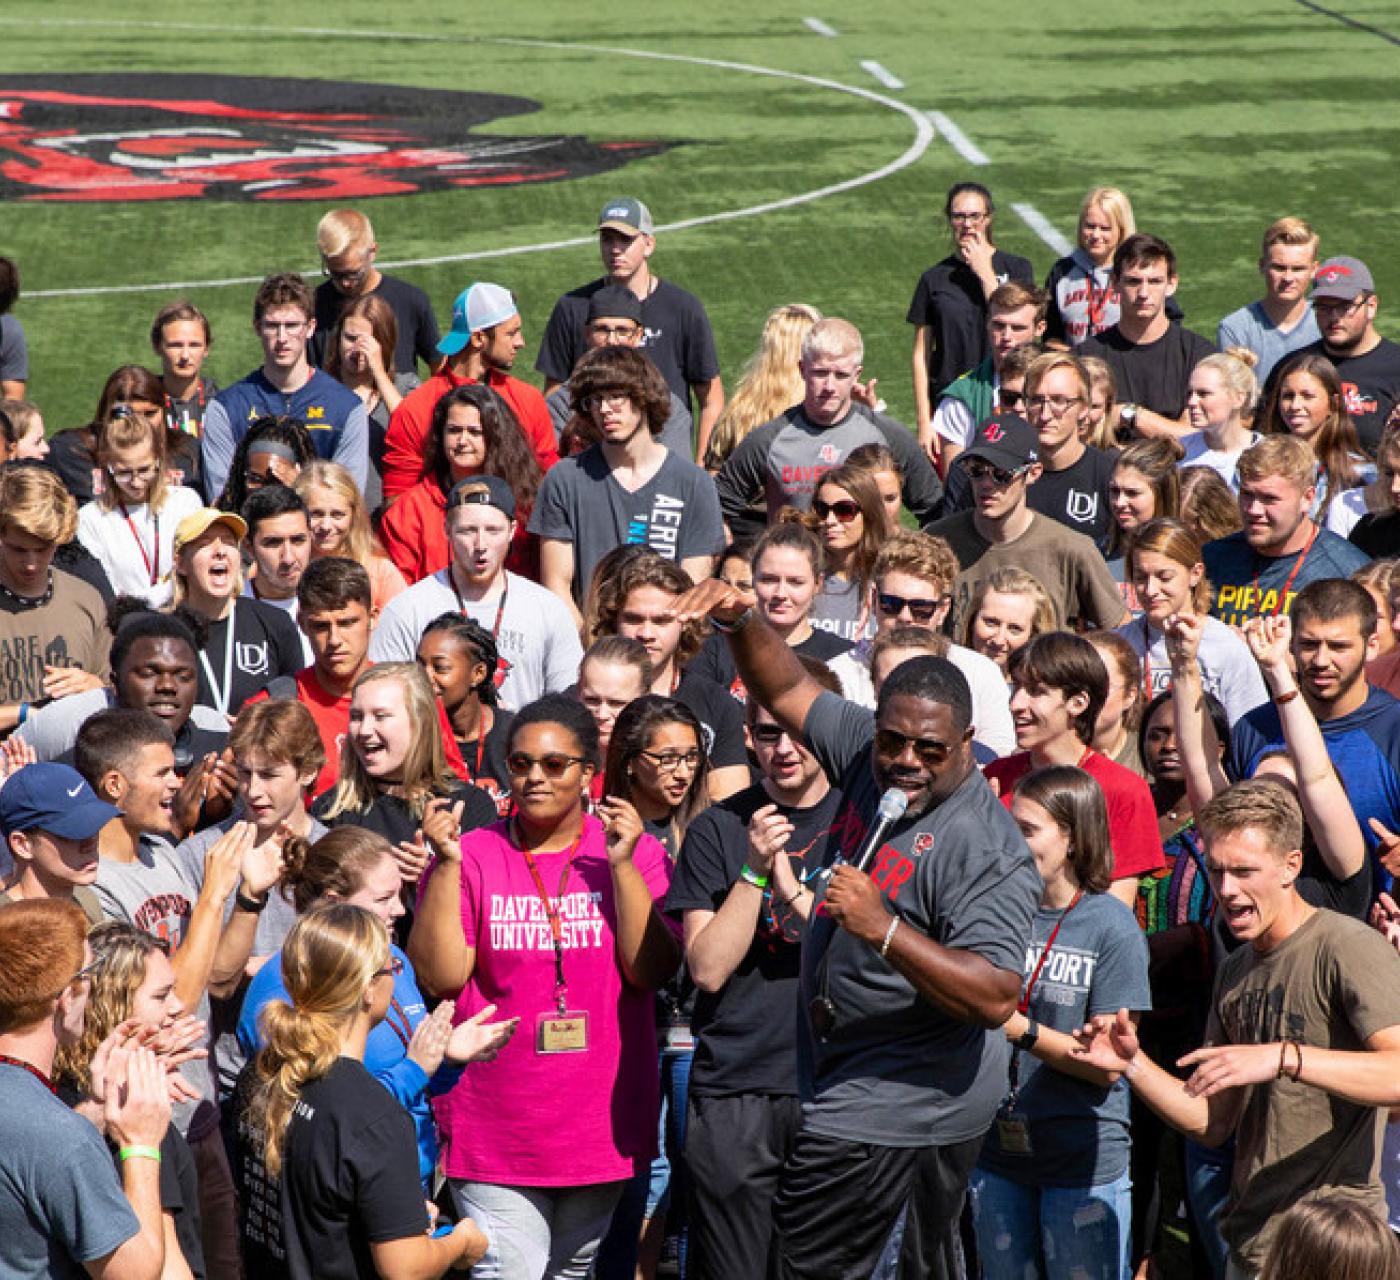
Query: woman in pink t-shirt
551, 915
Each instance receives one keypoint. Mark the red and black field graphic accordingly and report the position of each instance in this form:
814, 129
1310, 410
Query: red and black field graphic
183, 137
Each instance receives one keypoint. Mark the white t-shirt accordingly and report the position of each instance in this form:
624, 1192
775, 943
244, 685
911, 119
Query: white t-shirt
131, 547
1228, 669
953, 420
1221, 461
536, 636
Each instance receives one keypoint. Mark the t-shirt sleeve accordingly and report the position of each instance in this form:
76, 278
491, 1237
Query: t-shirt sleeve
352, 446
426, 338
1054, 321
699, 358
79, 1199
1120, 971
702, 533
921, 304
837, 732
395, 638
216, 448
1368, 978
286, 644
553, 512
992, 906
478, 810
14, 351
473, 891
1137, 845
726, 718
700, 881
565, 651
740, 480
383, 1163
1098, 599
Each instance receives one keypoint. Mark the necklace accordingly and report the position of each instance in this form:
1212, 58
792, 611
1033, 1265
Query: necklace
28, 602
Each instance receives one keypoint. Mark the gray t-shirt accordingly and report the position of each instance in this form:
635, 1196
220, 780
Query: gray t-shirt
536, 636
1078, 1131
842, 607
676, 513
14, 350
60, 1201
897, 1071
1228, 669
675, 435
1251, 327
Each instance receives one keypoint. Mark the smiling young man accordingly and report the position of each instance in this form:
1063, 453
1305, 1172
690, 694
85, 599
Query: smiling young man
1150, 354
910, 969
781, 462
287, 384
1259, 570
626, 489
1002, 530
487, 335
536, 637
1334, 635
1302, 1050
1282, 321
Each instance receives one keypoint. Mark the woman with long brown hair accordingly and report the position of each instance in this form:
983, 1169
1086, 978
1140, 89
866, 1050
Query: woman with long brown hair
853, 524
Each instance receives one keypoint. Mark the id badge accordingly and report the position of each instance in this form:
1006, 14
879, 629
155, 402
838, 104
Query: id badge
678, 1039
562, 1033
1014, 1135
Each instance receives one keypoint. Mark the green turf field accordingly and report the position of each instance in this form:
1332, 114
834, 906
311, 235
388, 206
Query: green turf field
1215, 118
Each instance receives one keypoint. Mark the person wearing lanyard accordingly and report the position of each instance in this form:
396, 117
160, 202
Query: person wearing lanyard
413, 1055
130, 526
553, 915
181, 338
1258, 571
1050, 1195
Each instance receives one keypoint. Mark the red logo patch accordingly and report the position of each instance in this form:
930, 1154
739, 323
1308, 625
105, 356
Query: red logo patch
993, 432
923, 842
829, 454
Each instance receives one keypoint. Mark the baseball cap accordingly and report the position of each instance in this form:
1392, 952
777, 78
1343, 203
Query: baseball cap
1006, 441
614, 302
627, 215
53, 798
198, 523
479, 306
1342, 278
485, 491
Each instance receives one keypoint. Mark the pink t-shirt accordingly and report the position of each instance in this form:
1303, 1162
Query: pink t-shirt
552, 1120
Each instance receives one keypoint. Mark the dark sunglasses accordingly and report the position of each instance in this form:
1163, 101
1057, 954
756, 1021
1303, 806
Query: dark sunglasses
844, 510
981, 469
929, 750
921, 611
1010, 398
768, 735
553, 766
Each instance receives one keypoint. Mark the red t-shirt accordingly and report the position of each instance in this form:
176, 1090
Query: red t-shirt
411, 421
1132, 817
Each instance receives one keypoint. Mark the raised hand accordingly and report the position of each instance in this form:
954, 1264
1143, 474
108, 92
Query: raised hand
412, 857
1385, 918
223, 863
15, 753
769, 832
1183, 636
477, 1040
1269, 640
623, 827
1229, 1066
712, 599
63, 682
136, 1108
1107, 1041
442, 826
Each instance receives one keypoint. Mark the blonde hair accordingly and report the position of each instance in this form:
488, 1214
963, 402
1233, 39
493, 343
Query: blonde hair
341, 230
1293, 232
128, 431
1012, 582
920, 555
330, 958
835, 339
1117, 207
770, 381
179, 591
425, 771
359, 544
1235, 365
1288, 456
1100, 375
34, 502
1046, 364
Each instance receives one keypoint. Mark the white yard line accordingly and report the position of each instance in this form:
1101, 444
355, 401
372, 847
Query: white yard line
958, 140
1043, 227
821, 28
883, 74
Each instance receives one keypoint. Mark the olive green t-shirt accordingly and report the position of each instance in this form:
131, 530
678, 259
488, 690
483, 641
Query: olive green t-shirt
69, 630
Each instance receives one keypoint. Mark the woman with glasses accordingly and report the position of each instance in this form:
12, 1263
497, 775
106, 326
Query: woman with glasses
473, 433
656, 762
130, 527
552, 915
784, 571
949, 308
275, 451
851, 519
326, 1155
1220, 402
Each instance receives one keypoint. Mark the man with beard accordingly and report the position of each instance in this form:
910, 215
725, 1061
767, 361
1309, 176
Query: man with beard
1257, 571
1334, 635
485, 338
908, 971
1302, 1050
1345, 303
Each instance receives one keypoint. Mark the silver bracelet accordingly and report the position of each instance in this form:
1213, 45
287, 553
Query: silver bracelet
889, 936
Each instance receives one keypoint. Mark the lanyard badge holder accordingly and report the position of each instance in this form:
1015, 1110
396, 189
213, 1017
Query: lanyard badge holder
563, 1030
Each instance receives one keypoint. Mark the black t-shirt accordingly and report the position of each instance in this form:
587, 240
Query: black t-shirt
949, 300
418, 328
678, 338
1154, 375
746, 1032
489, 773
715, 661
266, 644
349, 1177
1318, 886
1370, 386
71, 457
1078, 496
73, 557
720, 717
1378, 535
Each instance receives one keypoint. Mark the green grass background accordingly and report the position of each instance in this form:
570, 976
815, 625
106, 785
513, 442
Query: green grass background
1215, 118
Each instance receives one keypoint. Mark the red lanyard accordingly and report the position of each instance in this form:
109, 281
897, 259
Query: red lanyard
152, 569
551, 911
502, 666
32, 1069
1098, 302
1024, 1003
404, 1032
1287, 586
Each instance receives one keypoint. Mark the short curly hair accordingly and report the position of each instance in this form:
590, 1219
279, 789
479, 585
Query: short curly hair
626, 371
920, 555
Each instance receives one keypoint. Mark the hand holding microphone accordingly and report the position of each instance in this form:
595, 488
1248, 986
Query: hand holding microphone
853, 901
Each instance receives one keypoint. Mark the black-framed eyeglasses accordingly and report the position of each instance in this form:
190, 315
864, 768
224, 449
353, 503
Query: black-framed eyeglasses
553, 765
922, 611
981, 469
844, 509
930, 751
1339, 306
1056, 404
670, 761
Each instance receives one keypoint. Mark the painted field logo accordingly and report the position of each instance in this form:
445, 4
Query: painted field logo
183, 137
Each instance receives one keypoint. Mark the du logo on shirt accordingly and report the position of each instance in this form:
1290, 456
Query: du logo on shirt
660, 528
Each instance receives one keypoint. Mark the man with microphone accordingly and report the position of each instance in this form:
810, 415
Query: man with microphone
912, 960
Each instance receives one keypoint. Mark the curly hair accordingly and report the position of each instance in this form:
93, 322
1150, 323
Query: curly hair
622, 371
647, 569
507, 453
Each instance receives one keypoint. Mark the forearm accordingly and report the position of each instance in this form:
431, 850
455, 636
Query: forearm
716, 948
1125, 890
963, 985
923, 408
1154, 425
388, 391
436, 945
193, 960
1195, 736
647, 951
710, 397
1054, 1048
1368, 1077
231, 954
144, 1253
772, 673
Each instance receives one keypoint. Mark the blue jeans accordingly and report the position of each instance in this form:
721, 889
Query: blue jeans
1208, 1174
1052, 1232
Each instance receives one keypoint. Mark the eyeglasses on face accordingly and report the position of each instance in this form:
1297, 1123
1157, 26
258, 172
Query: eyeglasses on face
124, 475
930, 751
597, 401
921, 611
671, 761
1056, 404
976, 215
844, 509
767, 735
1010, 399
555, 765
981, 469
1338, 306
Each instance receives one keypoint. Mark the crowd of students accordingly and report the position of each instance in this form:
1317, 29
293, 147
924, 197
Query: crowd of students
618, 830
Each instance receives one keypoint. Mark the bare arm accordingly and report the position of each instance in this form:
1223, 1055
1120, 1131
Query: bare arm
923, 408
647, 951
709, 398
176, 1268
1195, 733
1125, 890
1056, 1049
259, 874
557, 573
437, 946
12, 389
426, 1257
1153, 425
698, 567
726, 781
193, 960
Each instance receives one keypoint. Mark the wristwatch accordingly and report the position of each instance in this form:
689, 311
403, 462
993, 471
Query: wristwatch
1029, 1036
1127, 415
